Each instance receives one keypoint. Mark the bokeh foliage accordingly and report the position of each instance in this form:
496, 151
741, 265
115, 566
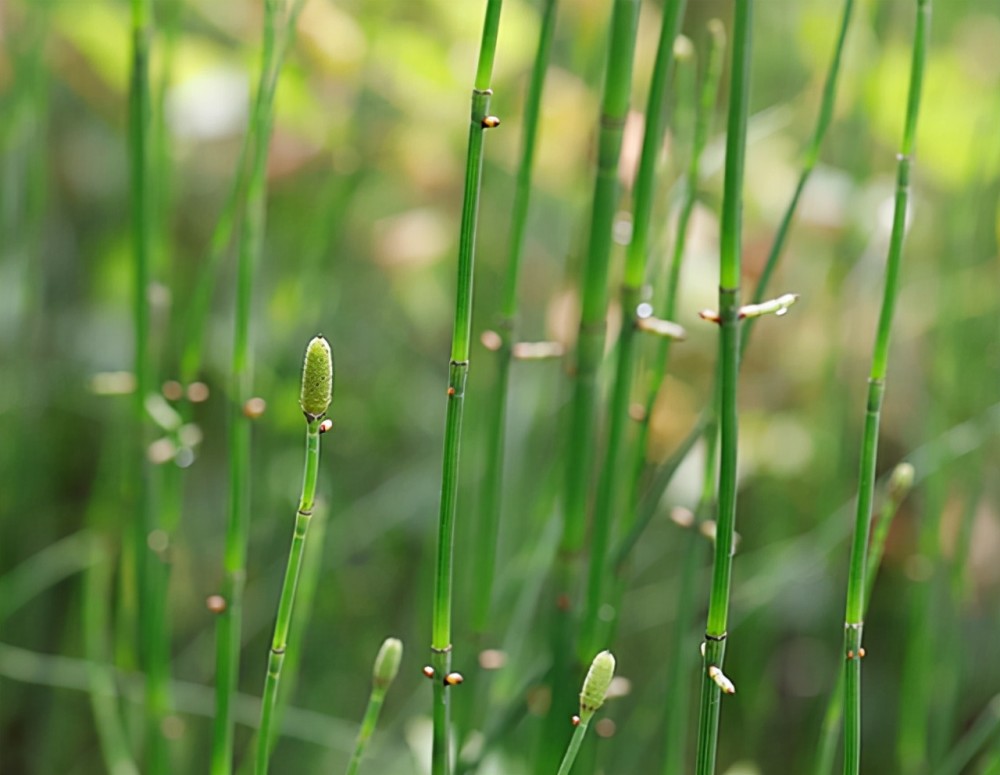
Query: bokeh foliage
365, 178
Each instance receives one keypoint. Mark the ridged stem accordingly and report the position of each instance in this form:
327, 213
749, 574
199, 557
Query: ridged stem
854, 609
491, 501
581, 414
279, 641
609, 487
811, 157
241, 384
729, 357
458, 369
833, 715
154, 639
666, 302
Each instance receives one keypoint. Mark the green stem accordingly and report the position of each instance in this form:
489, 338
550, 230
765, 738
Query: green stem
573, 748
810, 159
835, 705
729, 356
237, 529
491, 501
678, 678
458, 370
854, 609
372, 711
667, 302
974, 741
279, 641
610, 481
154, 640
589, 353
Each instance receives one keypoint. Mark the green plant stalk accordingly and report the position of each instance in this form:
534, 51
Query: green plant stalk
241, 383
827, 104
854, 611
384, 673
833, 715
667, 303
491, 500
279, 641
372, 711
609, 485
678, 678
192, 338
458, 370
589, 353
985, 728
154, 639
566, 766
110, 732
729, 359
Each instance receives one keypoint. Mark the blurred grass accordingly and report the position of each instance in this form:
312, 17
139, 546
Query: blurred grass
365, 188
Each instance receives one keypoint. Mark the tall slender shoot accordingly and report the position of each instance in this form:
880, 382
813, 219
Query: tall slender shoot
589, 353
491, 501
317, 392
458, 371
611, 478
827, 104
154, 640
240, 387
855, 607
714, 681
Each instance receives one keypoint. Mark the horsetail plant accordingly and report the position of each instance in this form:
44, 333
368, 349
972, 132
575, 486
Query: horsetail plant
728, 374
383, 674
610, 482
899, 485
154, 640
241, 383
491, 501
809, 163
666, 302
315, 398
589, 353
856, 580
458, 370
595, 689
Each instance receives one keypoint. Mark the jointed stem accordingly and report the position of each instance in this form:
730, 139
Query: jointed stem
237, 529
491, 501
854, 614
729, 356
279, 642
610, 482
458, 371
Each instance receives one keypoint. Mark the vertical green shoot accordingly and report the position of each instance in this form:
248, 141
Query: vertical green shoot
154, 639
458, 370
610, 481
492, 499
241, 384
317, 392
666, 302
827, 104
899, 487
383, 674
856, 582
714, 682
589, 353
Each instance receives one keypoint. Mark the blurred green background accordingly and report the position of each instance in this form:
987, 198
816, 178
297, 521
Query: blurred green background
365, 176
